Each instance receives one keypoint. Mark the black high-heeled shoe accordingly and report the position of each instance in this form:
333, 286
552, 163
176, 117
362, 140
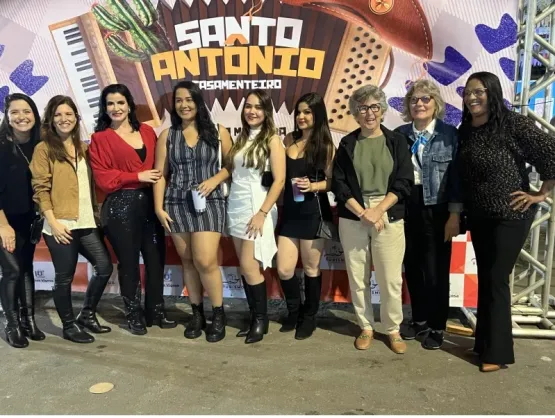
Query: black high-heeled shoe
14, 335
29, 326
134, 315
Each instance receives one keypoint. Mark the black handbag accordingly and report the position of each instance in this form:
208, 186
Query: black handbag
36, 229
326, 229
267, 179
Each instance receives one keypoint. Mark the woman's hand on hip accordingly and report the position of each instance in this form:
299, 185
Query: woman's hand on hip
61, 233
523, 200
164, 219
207, 186
7, 235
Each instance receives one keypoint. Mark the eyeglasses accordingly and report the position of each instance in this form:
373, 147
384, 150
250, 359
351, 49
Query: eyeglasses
425, 99
475, 92
375, 108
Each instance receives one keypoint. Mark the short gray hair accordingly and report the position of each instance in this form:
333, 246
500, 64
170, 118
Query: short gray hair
426, 87
361, 96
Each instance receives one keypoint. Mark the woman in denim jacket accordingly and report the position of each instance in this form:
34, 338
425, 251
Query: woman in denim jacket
433, 212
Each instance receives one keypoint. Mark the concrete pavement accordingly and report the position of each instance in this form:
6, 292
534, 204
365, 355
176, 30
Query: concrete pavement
164, 373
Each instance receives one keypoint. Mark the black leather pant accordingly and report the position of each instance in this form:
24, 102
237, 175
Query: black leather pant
17, 280
88, 243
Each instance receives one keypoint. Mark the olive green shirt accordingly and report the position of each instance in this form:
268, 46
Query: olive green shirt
373, 164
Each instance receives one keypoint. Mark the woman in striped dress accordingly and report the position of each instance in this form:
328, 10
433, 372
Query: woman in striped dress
188, 154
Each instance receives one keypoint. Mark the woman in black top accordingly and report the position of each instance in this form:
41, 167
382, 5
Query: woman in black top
19, 133
495, 145
309, 157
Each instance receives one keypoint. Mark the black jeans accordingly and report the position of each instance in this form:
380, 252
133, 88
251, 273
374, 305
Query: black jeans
132, 228
17, 280
497, 244
427, 260
90, 245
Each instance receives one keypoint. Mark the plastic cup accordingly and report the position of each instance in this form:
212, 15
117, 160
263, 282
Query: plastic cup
298, 196
199, 201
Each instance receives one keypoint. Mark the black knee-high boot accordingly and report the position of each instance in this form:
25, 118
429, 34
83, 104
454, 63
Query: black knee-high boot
87, 317
71, 330
259, 323
312, 290
292, 292
8, 297
245, 330
26, 287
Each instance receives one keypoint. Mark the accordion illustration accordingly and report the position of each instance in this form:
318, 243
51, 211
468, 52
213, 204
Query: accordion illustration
356, 35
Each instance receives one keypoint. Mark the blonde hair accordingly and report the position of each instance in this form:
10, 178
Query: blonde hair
427, 87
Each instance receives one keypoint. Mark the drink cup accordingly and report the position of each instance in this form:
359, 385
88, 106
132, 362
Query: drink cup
199, 201
298, 196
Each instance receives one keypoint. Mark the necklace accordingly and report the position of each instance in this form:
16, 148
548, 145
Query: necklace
21, 151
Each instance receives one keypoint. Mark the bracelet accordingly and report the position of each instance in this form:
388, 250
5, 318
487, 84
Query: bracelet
265, 213
361, 213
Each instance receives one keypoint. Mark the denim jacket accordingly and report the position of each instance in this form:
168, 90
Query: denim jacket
438, 183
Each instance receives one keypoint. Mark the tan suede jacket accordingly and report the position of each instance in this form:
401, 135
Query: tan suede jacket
55, 185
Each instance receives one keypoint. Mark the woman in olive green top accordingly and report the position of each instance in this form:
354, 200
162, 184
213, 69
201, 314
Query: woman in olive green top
372, 177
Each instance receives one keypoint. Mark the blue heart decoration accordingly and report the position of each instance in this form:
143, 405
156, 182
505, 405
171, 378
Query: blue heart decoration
495, 40
4, 91
1, 49
454, 66
508, 67
24, 79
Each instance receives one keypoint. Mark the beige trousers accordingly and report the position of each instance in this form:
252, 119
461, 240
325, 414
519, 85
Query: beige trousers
364, 245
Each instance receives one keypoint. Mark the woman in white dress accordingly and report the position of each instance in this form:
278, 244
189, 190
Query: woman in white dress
257, 164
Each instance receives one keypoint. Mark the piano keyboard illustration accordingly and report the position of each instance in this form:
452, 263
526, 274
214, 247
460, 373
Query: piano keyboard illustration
80, 72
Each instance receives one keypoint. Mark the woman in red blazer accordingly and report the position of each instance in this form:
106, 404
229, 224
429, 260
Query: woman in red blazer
122, 158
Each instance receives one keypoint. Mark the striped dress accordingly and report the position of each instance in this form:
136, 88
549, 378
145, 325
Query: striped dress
189, 166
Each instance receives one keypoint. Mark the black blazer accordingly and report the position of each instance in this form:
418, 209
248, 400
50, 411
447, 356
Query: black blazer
345, 181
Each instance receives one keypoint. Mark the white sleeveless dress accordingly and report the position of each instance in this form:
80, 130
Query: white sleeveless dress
246, 197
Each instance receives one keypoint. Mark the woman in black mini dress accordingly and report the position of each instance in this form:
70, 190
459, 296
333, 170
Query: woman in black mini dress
309, 159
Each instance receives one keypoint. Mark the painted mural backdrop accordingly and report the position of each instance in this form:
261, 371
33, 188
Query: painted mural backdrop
288, 47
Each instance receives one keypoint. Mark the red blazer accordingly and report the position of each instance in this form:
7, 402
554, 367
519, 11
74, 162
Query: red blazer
116, 164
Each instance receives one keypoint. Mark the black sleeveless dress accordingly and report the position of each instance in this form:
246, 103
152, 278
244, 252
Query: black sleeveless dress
301, 220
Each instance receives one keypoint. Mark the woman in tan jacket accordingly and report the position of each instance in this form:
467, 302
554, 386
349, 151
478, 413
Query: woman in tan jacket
64, 189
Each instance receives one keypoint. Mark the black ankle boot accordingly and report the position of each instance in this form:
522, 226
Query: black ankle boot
292, 292
260, 323
158, 317
14, 335
26, 291
307, 322
29, 326
87, 319
134, 316
76, 334
197, 322
216, 330
243, 332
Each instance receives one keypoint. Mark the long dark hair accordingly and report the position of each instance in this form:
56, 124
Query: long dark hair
6, 130
257, 153
104, 120
206, 128
319, 146
496, 107
56, 149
